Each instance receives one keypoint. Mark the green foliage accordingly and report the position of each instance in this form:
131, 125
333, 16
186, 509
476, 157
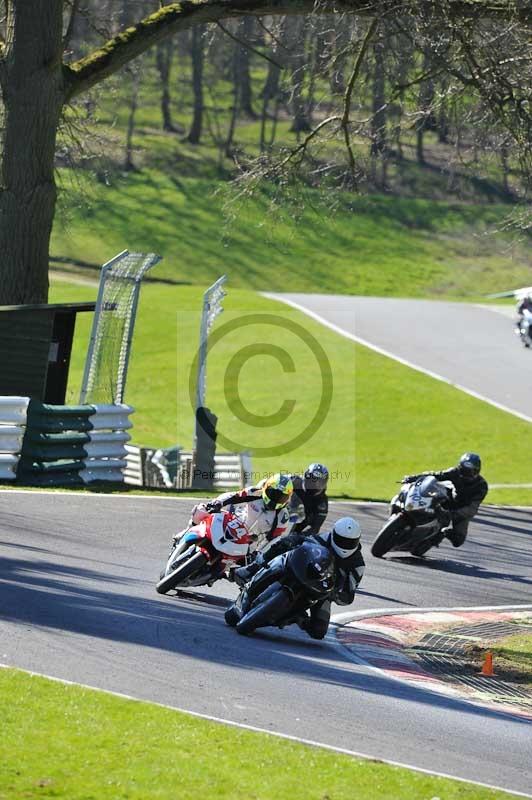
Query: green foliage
82, 744
287, 239
385, 419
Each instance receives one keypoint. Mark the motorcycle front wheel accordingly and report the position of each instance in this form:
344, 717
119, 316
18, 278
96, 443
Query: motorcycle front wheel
266, 613
386, 538
181, 573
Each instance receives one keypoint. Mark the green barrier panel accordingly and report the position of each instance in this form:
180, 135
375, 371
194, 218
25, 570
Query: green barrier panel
46, 418
53, 449
37, 408
43, 424
46, 439
52, 452
31, 467
53, 479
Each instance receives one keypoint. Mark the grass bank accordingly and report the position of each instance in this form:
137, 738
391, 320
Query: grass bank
384, 419
85, 744
368, 245
513, 657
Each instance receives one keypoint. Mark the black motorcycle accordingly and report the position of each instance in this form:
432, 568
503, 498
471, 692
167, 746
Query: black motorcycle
415, 522
301, 578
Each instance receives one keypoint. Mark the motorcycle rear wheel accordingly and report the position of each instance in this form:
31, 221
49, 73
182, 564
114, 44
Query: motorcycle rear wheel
385, 539
261, 616
181, 573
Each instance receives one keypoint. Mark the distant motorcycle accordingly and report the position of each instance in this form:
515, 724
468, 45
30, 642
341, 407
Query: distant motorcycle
523, 328
204, 552
306, 578
414, 524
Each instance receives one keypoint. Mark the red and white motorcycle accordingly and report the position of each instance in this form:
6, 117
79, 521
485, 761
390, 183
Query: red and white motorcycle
203, 553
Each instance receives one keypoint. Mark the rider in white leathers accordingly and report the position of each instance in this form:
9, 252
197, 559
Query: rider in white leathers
262, 508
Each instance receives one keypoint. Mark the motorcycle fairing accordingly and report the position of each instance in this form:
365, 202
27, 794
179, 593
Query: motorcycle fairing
223, 537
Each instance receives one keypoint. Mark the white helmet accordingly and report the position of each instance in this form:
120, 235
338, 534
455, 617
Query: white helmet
345, 537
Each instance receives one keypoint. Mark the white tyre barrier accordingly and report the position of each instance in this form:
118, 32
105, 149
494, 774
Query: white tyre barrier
13, 410
8, 466
114, 418
11, 437
13, 416
106, 451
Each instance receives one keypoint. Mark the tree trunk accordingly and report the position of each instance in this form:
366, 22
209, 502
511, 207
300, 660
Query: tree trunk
296, 37
164, 54
198, 55
135, 72
378, 120
245, 33
228, 146
33, 93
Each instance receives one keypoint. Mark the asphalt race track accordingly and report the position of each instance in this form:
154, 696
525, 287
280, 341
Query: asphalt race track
472, 346
77, 599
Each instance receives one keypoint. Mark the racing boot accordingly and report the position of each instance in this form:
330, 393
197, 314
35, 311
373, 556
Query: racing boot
243, 575
236, 610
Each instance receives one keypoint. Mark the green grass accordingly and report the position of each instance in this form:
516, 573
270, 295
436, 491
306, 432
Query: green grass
514, 653
385, 419
79, 744
372, 245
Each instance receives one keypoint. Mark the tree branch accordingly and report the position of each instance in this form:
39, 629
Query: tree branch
349, 91
247, 46
86, 73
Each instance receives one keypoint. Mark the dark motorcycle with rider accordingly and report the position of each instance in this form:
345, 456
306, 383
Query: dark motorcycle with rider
297, 578
418, 514
304, 577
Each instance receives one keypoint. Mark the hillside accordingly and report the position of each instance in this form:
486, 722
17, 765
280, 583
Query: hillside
434, 230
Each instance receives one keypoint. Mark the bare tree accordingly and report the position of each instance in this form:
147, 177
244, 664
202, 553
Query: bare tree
36, 84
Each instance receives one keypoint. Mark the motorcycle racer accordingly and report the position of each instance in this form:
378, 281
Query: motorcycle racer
343, 541
523, 327
262, 507
470, 491
310, 492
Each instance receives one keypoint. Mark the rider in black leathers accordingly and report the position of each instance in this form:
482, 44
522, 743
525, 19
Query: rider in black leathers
344, 543
471, 489
310, 491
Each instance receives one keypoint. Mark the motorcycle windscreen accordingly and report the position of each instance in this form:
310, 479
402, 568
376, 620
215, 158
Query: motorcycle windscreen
312, 565
224, 538
430, 487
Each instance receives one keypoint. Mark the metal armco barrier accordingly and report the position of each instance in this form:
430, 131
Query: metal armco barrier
173, 468
106, 452
73, 445
13, 412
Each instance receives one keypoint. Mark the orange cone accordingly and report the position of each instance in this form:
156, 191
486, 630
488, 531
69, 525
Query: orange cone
487, 667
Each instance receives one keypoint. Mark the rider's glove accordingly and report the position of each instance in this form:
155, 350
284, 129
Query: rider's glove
213, 507
408, 478
260, 561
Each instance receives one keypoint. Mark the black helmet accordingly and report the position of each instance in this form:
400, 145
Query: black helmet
469, 466
315, 478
